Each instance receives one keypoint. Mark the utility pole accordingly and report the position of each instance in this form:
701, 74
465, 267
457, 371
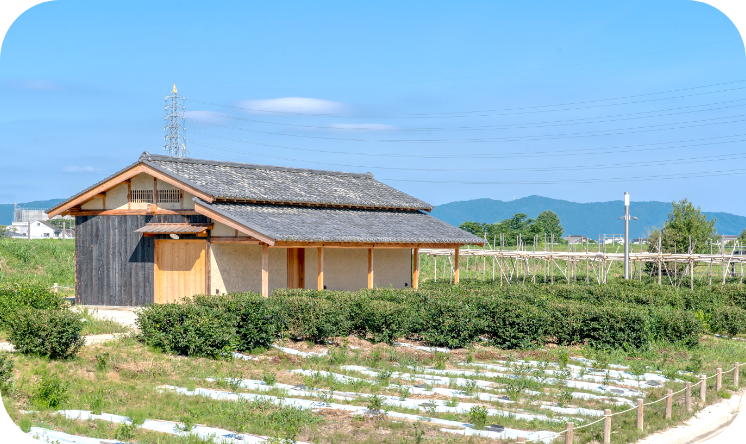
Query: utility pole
626, 218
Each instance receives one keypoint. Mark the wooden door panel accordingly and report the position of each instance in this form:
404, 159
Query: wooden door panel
179, 269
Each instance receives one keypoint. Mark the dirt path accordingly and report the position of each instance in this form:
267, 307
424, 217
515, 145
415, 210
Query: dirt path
706, 425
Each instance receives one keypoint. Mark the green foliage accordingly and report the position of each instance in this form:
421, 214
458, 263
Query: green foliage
38, 261
125, 432
25, 424
311, 316
52, 333
252, 318
478, 416
187, 329
520, 224
50, 393
685, 222
450, 322
19, 295
6, 370
729, 320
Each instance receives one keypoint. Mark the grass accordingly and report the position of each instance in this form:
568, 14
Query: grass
43, 261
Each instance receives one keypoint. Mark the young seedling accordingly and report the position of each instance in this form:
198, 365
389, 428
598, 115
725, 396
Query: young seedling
478, 416
270, 378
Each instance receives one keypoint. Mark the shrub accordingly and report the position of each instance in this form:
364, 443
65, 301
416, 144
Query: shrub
450, 322
728, 319
253, 320
6, 370
512, 323
186, 329
51, 333
601, 327
385, 321
311, 317
16, 296
675, 326
50, 393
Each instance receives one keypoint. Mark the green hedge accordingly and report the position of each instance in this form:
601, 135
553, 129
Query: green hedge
51, 333
16, 296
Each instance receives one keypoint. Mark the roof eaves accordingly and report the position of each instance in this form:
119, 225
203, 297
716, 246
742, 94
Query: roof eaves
261, 230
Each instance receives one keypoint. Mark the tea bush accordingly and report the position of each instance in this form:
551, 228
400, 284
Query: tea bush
253, 320
18, 295
187, 329
729, 320
52, 333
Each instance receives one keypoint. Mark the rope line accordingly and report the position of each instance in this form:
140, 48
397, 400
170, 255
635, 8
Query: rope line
625, 411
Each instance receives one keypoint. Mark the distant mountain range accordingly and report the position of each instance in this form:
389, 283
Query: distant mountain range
6, 210
587, 219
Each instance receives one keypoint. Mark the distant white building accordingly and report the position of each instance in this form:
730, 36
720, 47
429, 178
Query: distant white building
40, 229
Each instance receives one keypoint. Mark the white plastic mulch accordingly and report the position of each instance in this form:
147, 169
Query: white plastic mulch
53, 436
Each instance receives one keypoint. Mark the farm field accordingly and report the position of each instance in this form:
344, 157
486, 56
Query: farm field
479, 359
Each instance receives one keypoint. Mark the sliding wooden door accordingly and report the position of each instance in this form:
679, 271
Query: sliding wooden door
179, 269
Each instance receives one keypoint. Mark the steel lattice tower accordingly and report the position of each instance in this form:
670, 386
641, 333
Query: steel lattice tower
176, 137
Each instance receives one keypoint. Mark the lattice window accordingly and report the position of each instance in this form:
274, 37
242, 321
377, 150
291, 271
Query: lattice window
142, 196
169, 196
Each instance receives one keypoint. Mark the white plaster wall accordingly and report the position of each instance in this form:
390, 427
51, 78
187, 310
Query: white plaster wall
93, 204
238, 267
220, 229
392, 267
141, 182
345, 268
116, 198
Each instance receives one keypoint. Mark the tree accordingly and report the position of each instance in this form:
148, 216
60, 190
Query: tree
519, 224
742, 238
685, 222
548, 222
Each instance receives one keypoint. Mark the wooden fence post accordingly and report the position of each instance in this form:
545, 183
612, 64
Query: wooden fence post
718, 379
607, 426
669, 403
703, 388
55, 288
639, 414
735, 373
521, 439
688, 397
569, 433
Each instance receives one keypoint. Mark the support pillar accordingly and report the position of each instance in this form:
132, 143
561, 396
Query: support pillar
370, 268
320, 277
265, 270
455, 260
640, 423
607, 426
416, 268
669, 403
569, 433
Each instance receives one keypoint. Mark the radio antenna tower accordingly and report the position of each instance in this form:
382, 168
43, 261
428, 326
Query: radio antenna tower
176, 137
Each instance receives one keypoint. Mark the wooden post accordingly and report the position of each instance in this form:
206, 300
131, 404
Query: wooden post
370, 268
265, 270
29, 231
639, 414
416, 269
660, 253
521, 439
688, 396
63, 231
735, 373
607, 426
703, 389
129, 195
691, 274
55, 288
320, 276
669, 403
569, 433
718, 379
208, 272
155, 191
455, 261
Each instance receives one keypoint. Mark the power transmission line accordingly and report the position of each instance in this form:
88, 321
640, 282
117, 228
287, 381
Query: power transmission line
596, 133
575, 152
500, 110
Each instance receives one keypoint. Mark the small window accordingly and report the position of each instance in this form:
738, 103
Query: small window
142, 196
169, 196
46, 234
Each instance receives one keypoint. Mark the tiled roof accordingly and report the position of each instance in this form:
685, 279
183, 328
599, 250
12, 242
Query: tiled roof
327, 224
271, 184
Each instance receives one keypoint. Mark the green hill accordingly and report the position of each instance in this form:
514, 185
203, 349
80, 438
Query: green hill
588, 219
6, 210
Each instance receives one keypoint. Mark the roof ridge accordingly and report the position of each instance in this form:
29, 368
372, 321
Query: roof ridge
146, 156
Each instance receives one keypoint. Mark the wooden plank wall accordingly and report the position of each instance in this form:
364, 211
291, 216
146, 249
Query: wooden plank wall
115, 264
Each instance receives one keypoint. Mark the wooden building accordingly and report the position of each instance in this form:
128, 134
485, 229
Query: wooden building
166, 227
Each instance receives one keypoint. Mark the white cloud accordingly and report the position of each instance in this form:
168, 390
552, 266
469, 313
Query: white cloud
364, 126
292, 105
205, 116
79, 169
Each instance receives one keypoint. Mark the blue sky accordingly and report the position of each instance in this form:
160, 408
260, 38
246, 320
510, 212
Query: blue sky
581, 100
